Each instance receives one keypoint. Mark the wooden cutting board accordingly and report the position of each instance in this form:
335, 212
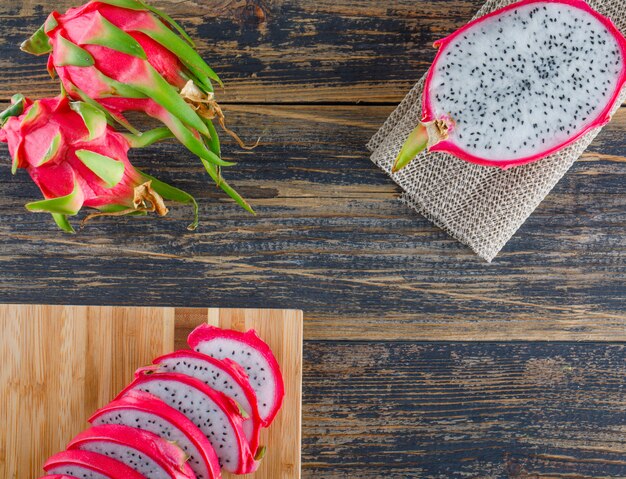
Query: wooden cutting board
60, 363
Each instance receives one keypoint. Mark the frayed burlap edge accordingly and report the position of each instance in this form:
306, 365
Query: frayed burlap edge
480, 206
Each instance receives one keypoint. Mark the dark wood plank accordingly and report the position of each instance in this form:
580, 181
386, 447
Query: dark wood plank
446, 410
277, 50
332, 239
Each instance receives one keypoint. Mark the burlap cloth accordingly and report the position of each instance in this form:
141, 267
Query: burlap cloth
480, 206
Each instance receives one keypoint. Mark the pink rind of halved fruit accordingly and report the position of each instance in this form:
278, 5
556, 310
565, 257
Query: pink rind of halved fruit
520, 84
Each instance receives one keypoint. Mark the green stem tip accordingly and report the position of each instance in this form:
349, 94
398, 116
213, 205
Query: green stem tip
425, 135
416, 142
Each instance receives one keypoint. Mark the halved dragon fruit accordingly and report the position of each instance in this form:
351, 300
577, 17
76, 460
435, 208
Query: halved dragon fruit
216, 415
144, 411
225, 376
254, 356
89, 465
520, 83
143, 451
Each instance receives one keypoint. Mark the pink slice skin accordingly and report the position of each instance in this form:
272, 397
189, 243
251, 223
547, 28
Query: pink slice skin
144, 376
233, 371
167, 455
603, 118
144, 402
206, 333
94, 462
58, 476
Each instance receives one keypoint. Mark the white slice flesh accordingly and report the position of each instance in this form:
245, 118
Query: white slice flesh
129, 456
254, 364
215, 379
78, 472
156, 425
201, 411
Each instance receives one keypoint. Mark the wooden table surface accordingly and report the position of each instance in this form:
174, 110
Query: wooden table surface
420, 359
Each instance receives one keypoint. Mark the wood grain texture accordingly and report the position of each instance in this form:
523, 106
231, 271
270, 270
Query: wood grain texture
332, 239
315, 80
282, 331
279, 50
463, 410
59, 364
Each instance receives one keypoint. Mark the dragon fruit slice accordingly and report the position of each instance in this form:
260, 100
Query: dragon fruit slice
216, 415
77, 160
225, 376
144, 411
143, 451
123, 56
520, 83
254, 356
89, 465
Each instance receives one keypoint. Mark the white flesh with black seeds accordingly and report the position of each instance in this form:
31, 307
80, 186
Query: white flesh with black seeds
525, 81
156, 425
129, 456
212, 377
252, 362
78, 472
203, 412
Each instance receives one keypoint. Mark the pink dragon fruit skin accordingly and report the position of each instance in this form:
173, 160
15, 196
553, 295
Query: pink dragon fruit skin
143, 451
89, 465
58, 476
144, 411
77, 160
255, 357
224, 376
216, 415
120, 55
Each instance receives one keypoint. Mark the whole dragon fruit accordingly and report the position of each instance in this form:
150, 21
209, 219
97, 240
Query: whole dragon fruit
143, 411
77, 160
89, 465
217, 416
125, 56
143, 451
253, 355
520, 84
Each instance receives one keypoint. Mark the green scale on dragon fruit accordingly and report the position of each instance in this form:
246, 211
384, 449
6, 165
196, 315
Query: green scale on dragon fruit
143, 451
89, 465
520, 84
146, 412
253, 355
224, 376
215, 414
